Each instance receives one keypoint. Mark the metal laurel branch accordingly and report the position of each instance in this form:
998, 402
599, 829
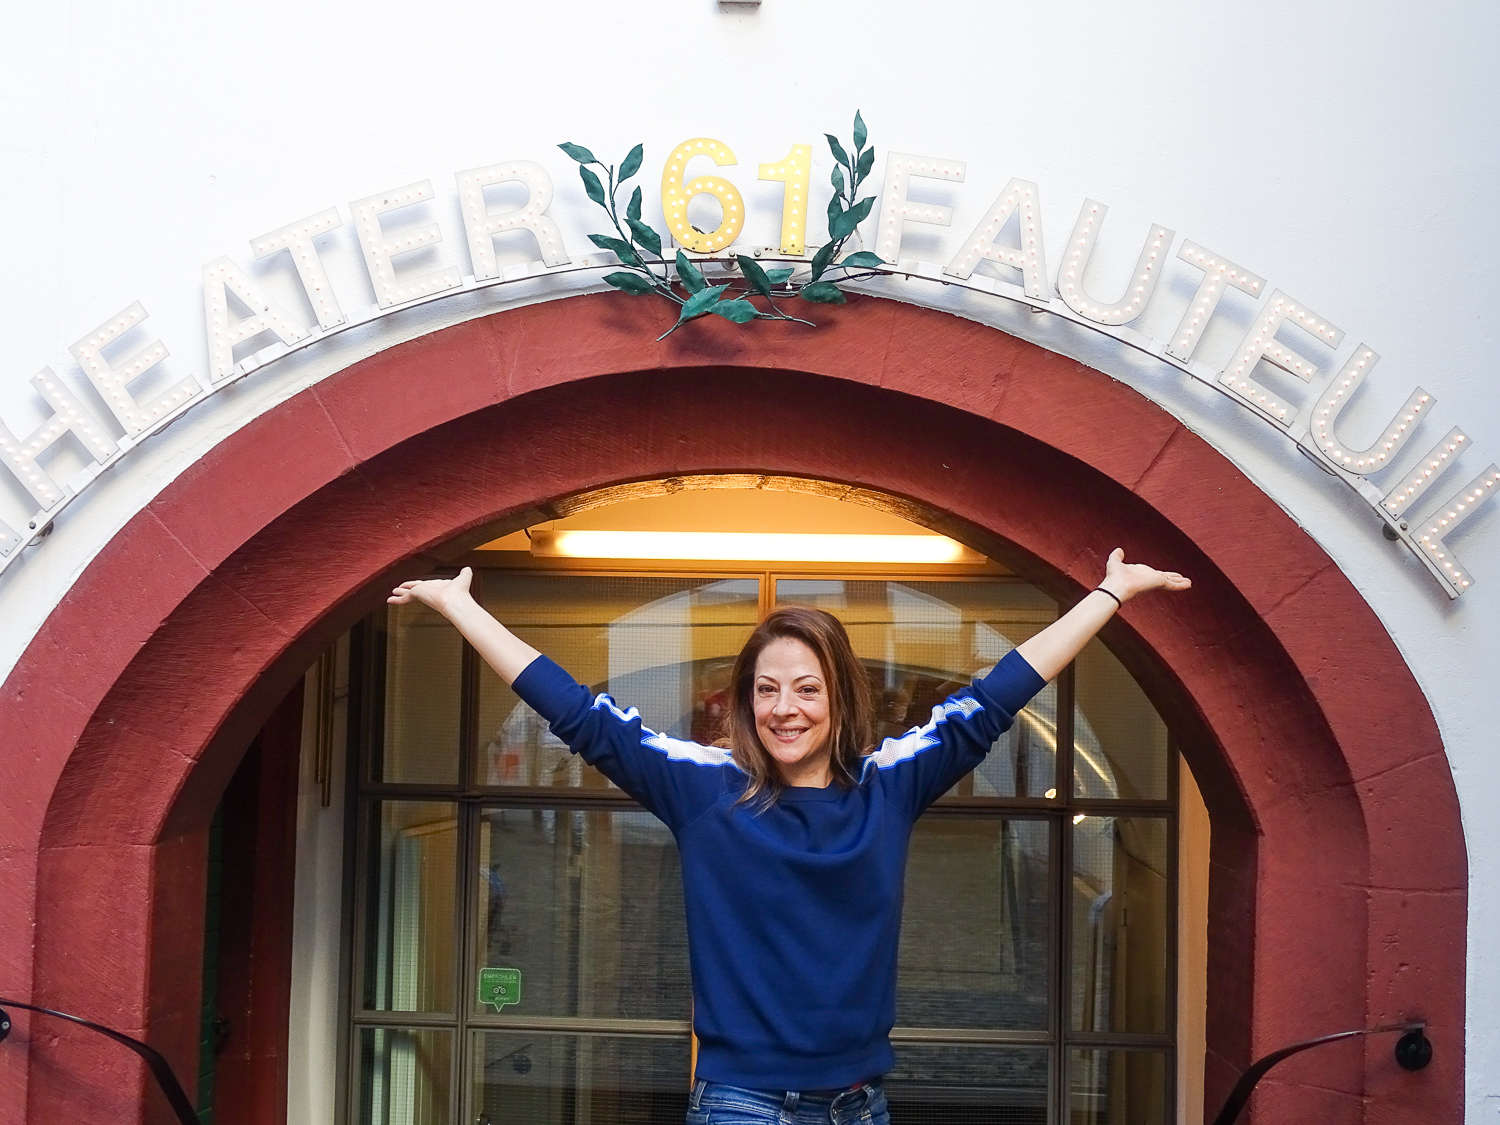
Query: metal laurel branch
646, 272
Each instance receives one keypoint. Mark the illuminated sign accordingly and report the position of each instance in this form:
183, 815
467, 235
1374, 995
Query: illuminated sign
1311, 422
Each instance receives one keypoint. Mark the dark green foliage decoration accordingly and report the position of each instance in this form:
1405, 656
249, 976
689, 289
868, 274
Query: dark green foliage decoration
647, 273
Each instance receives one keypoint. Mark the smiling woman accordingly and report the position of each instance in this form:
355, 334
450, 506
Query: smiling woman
793, 836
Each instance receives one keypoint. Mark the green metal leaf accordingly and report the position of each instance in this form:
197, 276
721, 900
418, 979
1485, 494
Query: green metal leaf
592, 185
844, 225
778, 277
629, 282
618, 246
838, 150
837, 179
701, 301
863, 260
823, 293
633, 209
862, 209
578, 153
862, 169
739, 310
822, 258
835, 209
860, 132
644, 234
692, 276
632, 163
754, 274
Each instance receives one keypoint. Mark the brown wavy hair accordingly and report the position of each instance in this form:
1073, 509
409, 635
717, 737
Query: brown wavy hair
850, 710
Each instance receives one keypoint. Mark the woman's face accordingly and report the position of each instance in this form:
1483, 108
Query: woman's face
791, 711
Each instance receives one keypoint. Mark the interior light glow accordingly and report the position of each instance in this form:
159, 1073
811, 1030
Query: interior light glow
750, 547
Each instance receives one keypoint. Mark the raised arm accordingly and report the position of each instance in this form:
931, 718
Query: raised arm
501, 649
1050, 650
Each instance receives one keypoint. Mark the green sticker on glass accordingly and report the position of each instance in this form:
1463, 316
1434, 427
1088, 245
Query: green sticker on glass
499, 987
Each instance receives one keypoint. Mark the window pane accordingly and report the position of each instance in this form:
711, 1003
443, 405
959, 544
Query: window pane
975, 934
562, 1079
1119, 741
410, 875
663, 645
1119, 924
587, 908
921, 641
404, 1076
423, 682
950, 1084
1117, 1088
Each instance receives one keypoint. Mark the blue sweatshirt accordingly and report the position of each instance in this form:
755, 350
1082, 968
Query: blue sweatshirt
794, 912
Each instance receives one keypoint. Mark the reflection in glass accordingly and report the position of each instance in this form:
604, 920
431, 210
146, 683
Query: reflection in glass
662, 645
952, 1084
423, 681
410, 875
1119, 911
1117, 1088
588, 906
404, 1076
534, 1079
921, 641
1119, 741
975, 933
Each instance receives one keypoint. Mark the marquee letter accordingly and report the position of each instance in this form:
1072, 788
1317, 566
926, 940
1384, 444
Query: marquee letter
1451, 516
795, 171
113, 383
1148, 269
1421, 476
298, 238
1022, 196
896, 210
1260, 343
482, 223
265, 316
69, 416
676, 191
1330, 403
1218, 275
379, 246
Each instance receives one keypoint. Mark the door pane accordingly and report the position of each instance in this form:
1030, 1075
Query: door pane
568, 1079
586, 909
1119, 741
1117, 1088
662, 645
1120, 898
423, 683
975, 933
921, 641
411, 870
404, 1076
952, 1084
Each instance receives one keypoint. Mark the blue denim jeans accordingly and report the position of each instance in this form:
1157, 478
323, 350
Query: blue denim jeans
715, 1104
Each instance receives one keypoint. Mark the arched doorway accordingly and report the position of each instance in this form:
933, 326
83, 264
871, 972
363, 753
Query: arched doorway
1319, 759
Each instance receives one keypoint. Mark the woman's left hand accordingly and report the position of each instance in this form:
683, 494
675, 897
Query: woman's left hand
1126, 580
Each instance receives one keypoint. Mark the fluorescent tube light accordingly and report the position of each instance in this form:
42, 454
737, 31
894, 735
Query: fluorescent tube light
739, 546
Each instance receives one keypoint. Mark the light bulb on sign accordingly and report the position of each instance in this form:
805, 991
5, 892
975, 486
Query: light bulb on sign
896, 210
266, 315
1261, 343
69, 416
677, 192
378, 246
1408, 491
1219, 275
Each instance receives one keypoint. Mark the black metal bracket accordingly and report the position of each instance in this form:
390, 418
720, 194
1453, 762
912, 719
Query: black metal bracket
160, 1069
1413, 1052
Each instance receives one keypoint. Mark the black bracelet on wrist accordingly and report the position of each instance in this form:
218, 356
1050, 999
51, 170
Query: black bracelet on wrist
1102, 590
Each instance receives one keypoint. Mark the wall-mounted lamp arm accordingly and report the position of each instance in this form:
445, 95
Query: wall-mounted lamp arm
1413, 1052
160, 1069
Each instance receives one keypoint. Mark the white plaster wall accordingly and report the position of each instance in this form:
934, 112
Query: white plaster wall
1344, 153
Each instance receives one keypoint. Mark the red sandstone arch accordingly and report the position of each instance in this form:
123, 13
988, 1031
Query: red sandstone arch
1339, 870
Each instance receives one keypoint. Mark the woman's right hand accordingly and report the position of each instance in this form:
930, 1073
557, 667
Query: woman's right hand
442, 594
